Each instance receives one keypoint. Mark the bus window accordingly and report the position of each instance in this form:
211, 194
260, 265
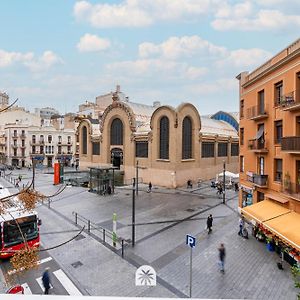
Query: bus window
11, 232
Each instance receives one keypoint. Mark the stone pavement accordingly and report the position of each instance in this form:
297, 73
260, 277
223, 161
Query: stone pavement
164, 217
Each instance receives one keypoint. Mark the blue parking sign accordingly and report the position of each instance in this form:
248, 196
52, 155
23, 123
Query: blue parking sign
190, 241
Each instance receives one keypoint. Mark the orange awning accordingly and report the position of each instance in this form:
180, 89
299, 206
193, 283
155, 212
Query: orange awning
286, 227
264, 211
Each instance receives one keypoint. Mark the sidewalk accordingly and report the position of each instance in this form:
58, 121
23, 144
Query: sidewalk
163, 219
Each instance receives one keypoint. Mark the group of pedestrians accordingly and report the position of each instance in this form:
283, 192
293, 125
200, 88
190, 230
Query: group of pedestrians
221, 249
222, 252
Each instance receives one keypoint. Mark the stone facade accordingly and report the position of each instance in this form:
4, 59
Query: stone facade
141, 127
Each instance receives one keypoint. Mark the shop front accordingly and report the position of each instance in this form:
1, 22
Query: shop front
247, 196
277, 226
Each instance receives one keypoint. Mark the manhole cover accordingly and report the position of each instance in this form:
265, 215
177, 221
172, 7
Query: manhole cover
77, 264
79, 237
190, 210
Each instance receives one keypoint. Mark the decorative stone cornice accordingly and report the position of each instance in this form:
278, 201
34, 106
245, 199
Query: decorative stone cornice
129, 112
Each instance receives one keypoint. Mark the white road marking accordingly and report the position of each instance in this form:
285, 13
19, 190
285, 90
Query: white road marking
44, 260
67, 283
27, 290
40, 282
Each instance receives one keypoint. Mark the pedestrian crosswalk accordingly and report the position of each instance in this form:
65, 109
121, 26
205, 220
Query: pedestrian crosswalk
60, 283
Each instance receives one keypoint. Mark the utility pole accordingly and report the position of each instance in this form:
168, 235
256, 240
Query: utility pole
224, 181
137, 177
133, 213
33, 172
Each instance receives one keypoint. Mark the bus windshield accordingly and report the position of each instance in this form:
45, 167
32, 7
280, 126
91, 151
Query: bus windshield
11, 232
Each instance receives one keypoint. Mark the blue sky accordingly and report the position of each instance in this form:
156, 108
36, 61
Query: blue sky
60, 53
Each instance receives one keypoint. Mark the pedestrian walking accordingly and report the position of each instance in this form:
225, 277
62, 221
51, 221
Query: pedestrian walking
149, 187
236, 187
222, 254
20, 178
241, 225
209, 223
46, 281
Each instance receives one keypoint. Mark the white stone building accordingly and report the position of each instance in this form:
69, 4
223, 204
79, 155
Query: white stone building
26, 139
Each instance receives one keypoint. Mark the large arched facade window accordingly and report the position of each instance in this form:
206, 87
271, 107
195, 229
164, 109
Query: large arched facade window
164, 138
116, 132
187, 138
84, 139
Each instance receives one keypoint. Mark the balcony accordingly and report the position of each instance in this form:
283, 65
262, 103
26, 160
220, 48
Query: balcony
291, 189
34, 142
14, 136
258, 146
14, 146
23, 136
290, 101
256, 113
290, 144
258, 180
23, 146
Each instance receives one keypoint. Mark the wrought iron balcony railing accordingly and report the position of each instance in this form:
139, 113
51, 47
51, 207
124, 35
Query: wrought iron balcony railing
290, 188
258, 179
290, 144
256, 113
259, 145
289, 101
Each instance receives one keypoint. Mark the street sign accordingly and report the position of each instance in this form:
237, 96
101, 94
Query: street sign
190, 241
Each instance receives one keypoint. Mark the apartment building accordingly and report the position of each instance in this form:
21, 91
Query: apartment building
25, 136
270, 144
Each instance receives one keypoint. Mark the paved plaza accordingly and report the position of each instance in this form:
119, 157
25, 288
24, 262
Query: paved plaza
163, 219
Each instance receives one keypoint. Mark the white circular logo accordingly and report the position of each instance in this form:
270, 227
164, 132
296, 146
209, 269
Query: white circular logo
145, 275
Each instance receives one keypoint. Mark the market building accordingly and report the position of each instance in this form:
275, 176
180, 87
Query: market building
270, 146
167, 146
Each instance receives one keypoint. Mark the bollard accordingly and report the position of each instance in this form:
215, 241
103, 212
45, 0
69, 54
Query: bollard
89, 226
48, 202
122, 248
76, 218
103, 235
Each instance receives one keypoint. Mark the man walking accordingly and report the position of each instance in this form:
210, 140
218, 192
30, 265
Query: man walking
222, 258
150, 187
209, 223
241, 225
46, 281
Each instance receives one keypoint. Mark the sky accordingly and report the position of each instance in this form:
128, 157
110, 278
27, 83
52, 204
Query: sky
60, 53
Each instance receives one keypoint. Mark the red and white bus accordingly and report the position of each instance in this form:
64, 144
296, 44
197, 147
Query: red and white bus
11, 239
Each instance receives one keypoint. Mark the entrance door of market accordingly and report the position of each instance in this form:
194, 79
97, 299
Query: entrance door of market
117, 157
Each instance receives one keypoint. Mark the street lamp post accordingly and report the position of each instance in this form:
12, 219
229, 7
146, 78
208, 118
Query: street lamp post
224, 166
33, 172
133, 213
137, 177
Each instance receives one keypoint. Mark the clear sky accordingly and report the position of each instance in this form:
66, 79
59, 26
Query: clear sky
60, 53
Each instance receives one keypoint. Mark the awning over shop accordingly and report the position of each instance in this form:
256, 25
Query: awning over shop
277, 198
264, 211
286, 227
